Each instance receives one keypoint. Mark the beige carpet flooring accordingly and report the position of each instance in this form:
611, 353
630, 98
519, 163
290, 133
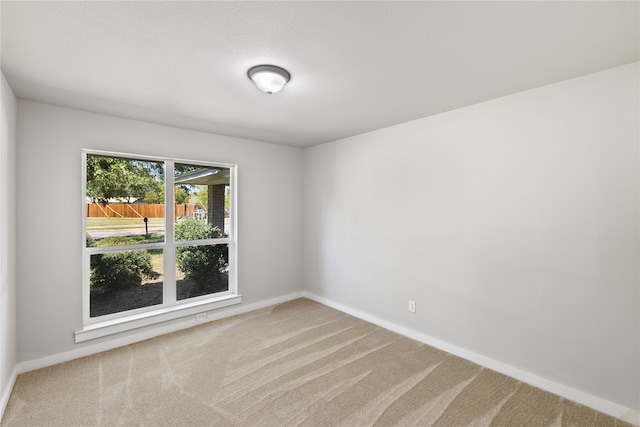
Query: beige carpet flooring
295, 364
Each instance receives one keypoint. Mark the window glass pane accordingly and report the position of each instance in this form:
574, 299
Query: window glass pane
202, 193
201, 270
121, 281
124, 201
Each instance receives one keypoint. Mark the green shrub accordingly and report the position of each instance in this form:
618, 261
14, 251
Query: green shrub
195, 229
204, 263
118, 270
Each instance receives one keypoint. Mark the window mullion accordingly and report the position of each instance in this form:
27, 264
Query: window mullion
86, 292
220, 241
169, 278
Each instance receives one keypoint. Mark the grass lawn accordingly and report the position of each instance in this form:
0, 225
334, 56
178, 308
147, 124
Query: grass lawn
157, 260
118, 223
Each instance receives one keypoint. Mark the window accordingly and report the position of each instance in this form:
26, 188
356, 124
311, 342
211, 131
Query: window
160, 240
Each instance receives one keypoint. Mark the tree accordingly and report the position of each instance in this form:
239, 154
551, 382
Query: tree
202, 194
154, 196
181, 195
183, 192
116, 177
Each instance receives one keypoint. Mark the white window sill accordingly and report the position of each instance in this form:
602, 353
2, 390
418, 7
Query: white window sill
123, 324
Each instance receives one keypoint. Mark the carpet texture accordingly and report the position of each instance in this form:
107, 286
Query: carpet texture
298, 363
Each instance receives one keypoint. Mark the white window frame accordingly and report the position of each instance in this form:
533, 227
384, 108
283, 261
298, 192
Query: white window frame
171, 308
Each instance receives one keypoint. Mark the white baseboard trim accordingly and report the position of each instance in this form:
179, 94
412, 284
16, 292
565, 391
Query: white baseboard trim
6, 393
615, 410
116, 342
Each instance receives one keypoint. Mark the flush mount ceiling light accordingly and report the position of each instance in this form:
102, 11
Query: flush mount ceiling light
269, 78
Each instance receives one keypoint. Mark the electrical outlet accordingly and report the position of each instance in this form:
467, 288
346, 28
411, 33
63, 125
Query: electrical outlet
412, 306
201, 317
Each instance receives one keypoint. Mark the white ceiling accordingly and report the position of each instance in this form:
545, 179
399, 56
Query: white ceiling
355, 66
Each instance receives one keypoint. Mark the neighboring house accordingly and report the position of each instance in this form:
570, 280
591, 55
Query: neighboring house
216, 181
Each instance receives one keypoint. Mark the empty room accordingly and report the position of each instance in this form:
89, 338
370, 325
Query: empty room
320, 213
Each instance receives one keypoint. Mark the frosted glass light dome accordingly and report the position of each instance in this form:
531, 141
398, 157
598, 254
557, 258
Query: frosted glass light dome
269, 78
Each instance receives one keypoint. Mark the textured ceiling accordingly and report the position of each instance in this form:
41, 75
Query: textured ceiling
356, 66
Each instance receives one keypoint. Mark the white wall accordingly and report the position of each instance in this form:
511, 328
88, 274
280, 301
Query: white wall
50, 208
514, 225
8, 315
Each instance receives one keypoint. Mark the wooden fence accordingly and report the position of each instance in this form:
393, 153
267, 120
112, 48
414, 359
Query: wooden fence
126, 210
